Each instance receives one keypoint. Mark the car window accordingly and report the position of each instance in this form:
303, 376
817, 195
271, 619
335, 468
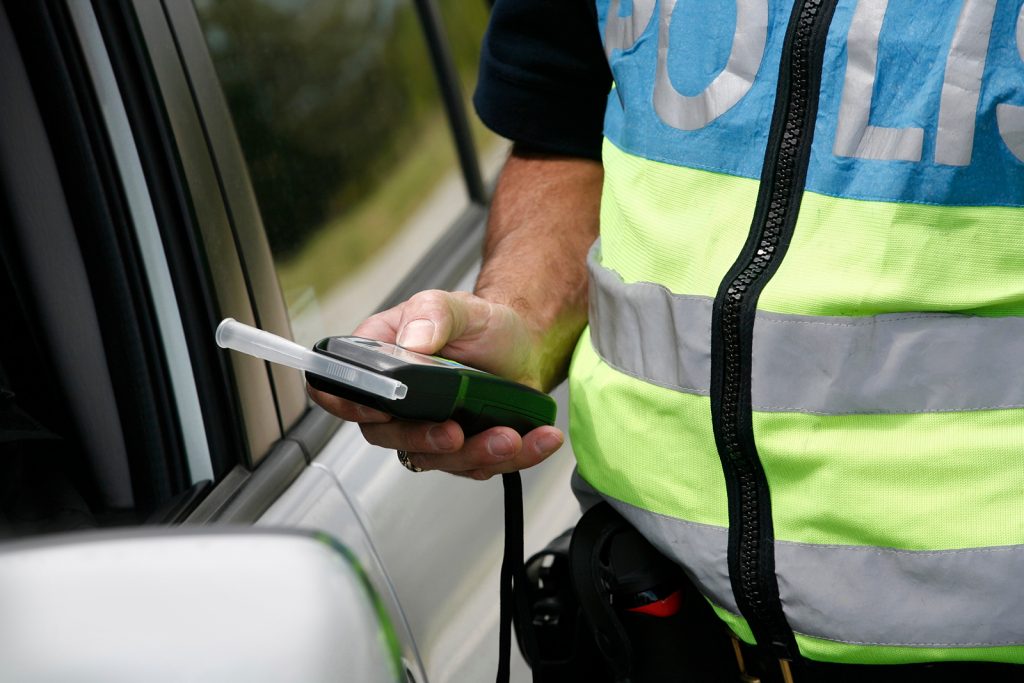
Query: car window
347, 143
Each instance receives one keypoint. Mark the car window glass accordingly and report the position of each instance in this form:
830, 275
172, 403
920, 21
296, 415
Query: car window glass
341, 121
464, 23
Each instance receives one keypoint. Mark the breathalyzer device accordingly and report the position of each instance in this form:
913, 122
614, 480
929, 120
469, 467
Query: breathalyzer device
399, 382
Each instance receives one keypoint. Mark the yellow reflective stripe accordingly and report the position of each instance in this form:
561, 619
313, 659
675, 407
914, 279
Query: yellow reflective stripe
675, 226
917, 482
683, 228
822, 650
628, 436
851, 257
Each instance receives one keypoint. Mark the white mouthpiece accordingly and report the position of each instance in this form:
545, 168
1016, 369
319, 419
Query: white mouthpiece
232, 334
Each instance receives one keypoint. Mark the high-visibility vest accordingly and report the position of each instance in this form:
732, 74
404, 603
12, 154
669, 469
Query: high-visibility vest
803, 377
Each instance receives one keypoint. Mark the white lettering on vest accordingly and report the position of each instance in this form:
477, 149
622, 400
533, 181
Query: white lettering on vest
621, 33
694, 112
854, 137
961, 86
1010, 117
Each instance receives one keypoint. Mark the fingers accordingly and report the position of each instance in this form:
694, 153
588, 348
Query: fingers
432, 319
347, 410
443, 446
428, 320
424, 323
496, 451
383, 326
415, 437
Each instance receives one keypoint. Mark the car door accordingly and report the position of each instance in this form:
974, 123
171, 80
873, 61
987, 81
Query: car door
222, 120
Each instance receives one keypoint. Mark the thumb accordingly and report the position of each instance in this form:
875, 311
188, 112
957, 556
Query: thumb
429, 320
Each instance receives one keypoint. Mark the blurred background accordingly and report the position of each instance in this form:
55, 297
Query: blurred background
342, 124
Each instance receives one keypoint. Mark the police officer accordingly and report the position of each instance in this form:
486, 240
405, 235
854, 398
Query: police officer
799, 376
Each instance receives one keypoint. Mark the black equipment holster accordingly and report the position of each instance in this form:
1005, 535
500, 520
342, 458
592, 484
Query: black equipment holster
587, 611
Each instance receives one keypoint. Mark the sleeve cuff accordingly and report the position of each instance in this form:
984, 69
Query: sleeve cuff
568, 122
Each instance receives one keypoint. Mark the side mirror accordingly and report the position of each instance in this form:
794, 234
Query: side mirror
195, 605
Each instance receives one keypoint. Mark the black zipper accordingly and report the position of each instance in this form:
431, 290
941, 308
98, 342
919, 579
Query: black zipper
751, 535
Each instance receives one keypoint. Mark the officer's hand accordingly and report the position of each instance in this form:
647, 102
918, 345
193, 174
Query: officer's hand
470, 330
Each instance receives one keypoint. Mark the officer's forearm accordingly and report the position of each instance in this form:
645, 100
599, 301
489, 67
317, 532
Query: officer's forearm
543, 219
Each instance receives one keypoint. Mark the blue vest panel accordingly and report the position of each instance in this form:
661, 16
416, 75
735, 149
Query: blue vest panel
914, 124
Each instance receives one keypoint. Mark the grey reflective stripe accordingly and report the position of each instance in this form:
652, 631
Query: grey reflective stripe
645, 331
865, 595
898, 363
854, 137
621, 33
961, 86
895, 363
694, 112
881, 596
1010, 117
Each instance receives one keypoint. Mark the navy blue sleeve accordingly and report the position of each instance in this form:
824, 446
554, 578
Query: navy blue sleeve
544, 80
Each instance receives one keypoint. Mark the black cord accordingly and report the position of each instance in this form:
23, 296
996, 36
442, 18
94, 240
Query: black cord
512, 570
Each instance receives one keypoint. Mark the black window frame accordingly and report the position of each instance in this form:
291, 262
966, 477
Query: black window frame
89, 183
236, 393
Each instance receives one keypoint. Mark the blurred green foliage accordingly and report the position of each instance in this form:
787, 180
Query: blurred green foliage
328, 96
